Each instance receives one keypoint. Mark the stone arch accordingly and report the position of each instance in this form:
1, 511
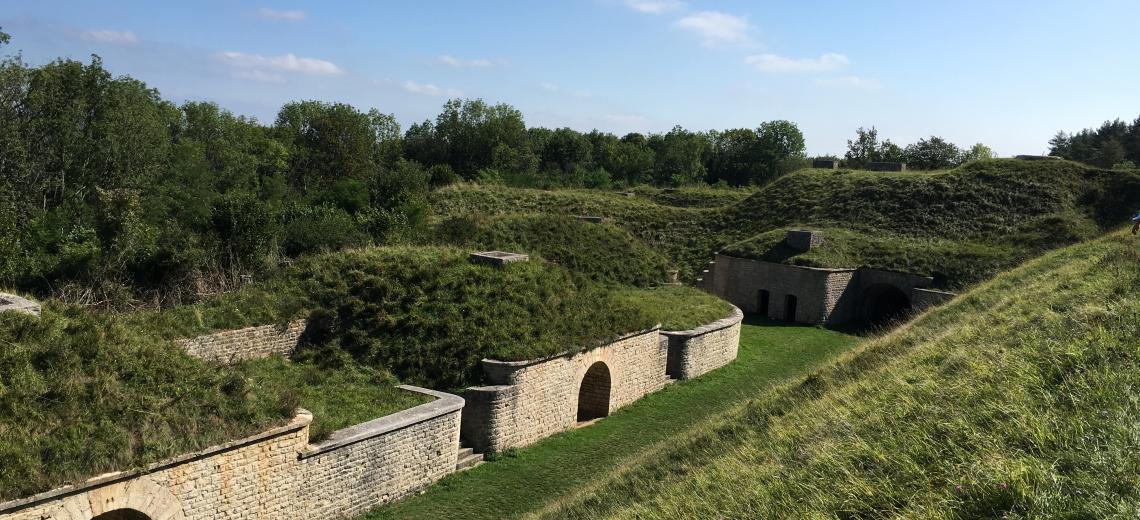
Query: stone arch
883, 303
123, 514
140, 496
594, 392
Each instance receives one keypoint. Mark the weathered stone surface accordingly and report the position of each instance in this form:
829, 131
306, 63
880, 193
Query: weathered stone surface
822, 296
531, 400
276, 474
497, 258
802, 240
11, 302
249, 343
695, 352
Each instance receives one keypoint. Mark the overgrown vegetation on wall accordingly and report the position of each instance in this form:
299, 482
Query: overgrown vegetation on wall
1045, 428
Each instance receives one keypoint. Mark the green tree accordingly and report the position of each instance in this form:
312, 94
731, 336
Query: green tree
978, 152
864, 149
933, 154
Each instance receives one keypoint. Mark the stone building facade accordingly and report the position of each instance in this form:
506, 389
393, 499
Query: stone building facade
230, 346
817, 296
275, 474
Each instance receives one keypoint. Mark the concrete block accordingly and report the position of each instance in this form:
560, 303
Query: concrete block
497, 258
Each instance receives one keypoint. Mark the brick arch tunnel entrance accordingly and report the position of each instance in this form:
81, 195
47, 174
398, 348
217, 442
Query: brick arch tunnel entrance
883, 303
594, 393
122, 514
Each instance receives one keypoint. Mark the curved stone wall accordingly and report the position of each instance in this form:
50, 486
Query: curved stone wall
531, 400
698, 351
276, 474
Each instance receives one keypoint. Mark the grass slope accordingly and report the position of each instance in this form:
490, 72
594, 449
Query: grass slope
531, 478
961, 226
1017, 400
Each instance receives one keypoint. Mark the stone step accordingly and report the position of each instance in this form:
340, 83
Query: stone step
469, 461
463, 452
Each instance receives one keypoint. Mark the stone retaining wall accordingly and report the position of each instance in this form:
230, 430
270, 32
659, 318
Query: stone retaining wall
230, 346
531, 400
922, 299
698, 351
276, 474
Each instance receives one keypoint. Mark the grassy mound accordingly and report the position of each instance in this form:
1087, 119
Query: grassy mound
599, 252
82, 394
951, 263
429, 314
675, 307
981, 218
1017, 400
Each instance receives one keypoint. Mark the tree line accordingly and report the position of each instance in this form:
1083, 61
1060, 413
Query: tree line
934, 153
1115, 144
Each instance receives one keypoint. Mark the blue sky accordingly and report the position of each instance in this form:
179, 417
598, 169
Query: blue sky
1006, 73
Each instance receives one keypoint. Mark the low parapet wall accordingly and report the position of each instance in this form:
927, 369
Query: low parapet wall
695, 352
11, 302
230, 346
922, 299
276, 474
531, 400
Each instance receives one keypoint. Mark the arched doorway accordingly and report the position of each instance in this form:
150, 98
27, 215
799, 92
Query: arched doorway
882, 304
122, 514
594, 393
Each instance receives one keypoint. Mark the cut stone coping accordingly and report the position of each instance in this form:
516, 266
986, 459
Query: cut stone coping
497, 370
301, 420
497, 258
723, 323
12, 302
444, 403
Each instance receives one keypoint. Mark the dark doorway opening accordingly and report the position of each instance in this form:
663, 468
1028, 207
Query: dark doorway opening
762, 303
790, 308
883, 304
594, 393
122, 514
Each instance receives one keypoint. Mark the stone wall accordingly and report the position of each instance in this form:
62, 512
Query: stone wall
11, 302
922, 299
531, 400
695, 352
740, 281
249, 343
276, 474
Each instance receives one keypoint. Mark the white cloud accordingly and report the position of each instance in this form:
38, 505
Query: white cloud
717, 28
775, 63
286, 62
260, 75
654, 6
294, 15
452, 61
551, 87
427, 89
109, 36
852, 82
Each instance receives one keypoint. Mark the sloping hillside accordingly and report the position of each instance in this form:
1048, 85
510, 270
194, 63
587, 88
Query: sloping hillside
960, 226
1017, 400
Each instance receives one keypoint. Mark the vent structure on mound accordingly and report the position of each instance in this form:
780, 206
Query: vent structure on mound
803, 240
825, 164
11, 302
886, 166
497, 258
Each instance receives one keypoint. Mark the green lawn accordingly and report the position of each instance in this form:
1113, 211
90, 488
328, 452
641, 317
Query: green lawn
531, 478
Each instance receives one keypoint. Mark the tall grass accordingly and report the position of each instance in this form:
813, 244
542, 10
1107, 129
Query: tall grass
1017, 400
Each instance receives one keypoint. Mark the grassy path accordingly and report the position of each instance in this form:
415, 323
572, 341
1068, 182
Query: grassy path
530, 478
